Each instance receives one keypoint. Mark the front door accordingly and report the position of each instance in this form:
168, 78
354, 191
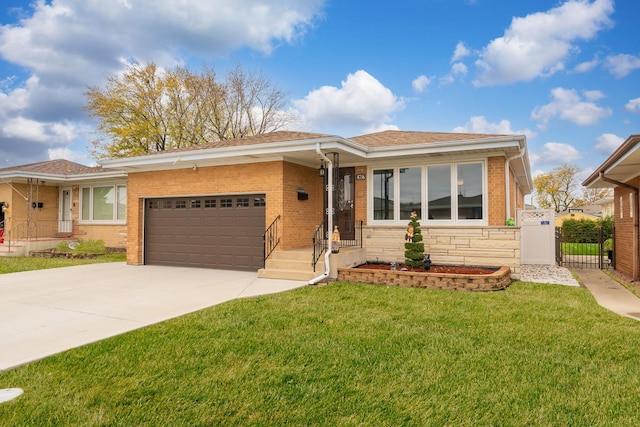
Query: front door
65, 222
345, 203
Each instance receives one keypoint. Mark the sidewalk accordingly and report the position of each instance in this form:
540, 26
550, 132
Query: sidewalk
609, 293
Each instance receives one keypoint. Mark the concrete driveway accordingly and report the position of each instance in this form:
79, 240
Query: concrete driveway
48, 311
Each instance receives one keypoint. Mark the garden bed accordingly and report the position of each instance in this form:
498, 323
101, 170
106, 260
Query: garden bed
463, 278
52, 253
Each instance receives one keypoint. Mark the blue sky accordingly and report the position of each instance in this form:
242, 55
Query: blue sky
564, 73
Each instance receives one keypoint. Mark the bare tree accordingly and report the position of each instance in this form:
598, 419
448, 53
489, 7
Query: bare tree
147, 109
557, 189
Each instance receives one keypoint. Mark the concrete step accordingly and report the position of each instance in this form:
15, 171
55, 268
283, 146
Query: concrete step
16, 250
287, 274
287, 264
292, 264
293, 255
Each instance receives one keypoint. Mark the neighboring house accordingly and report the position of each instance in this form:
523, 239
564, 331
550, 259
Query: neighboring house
607, 207
561, 217
62, 199
621, 171
210, 205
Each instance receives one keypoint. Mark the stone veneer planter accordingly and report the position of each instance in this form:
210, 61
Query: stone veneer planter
460, 282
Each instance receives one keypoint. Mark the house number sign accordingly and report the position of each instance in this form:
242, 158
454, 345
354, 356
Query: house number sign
360, 177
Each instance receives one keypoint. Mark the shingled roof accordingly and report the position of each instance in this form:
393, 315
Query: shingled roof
54, 167
277, 136
390, 138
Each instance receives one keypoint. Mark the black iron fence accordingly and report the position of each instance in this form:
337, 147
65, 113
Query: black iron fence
584, 248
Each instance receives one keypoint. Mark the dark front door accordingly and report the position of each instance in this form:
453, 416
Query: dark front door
345, 203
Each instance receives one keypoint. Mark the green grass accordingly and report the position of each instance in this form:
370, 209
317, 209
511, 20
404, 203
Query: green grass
17, 264
351, 355
580, 248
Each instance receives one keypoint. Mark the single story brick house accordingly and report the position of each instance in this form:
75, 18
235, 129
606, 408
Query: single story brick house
621, 171
61, 199
229, 204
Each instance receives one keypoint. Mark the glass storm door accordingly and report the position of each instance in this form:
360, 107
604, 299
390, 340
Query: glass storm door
65, 222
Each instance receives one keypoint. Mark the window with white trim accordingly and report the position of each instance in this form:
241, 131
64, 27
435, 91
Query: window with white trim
451, 193
103, 203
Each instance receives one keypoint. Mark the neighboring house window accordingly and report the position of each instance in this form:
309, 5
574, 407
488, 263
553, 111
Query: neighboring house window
444, 193
630, 205
621, 216
103, 203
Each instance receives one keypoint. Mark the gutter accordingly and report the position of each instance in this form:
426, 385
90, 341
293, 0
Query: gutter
507, 180
636, 221
327, 255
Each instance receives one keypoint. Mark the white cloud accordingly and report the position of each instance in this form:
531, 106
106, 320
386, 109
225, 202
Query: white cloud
567, 104
633, 105
459, 68
45, 133
445, 80
621, 65
593, 95
460, 52
586, 66
67, 154
607, 143
539, 44
552, 154
421, 83
362, 102
67, 45
479, 124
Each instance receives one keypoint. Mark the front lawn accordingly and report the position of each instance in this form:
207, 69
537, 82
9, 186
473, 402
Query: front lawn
580, 248
14, 265
351, 355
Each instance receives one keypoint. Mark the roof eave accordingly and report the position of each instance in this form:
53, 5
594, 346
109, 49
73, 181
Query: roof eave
160, 160
630, 146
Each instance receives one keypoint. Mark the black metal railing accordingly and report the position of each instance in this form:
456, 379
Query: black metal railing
319, 244
271, 237
350, 237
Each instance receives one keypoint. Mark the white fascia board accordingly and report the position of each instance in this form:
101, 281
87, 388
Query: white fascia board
447, 147
266, 149
48, 177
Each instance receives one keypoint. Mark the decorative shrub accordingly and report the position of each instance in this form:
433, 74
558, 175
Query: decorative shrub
414, 247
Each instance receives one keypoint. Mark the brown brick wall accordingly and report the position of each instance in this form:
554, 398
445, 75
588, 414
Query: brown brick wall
300, 217
361, 195
496, 189
277, 180
19, 208
624, 228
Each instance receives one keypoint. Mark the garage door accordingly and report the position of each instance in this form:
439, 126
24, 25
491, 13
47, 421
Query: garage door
216, 232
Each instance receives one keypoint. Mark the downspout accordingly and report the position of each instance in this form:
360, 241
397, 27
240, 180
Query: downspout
507, 180
327, 267
636, 221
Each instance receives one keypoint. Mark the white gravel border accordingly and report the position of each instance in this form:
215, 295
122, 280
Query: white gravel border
547, 274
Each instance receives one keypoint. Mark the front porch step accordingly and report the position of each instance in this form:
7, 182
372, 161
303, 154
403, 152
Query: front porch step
17, 250
291, 265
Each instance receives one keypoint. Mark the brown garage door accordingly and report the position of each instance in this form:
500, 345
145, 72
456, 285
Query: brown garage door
216, 232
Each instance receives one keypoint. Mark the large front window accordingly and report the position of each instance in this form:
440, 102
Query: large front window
383, 186
439, 193
103, 203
